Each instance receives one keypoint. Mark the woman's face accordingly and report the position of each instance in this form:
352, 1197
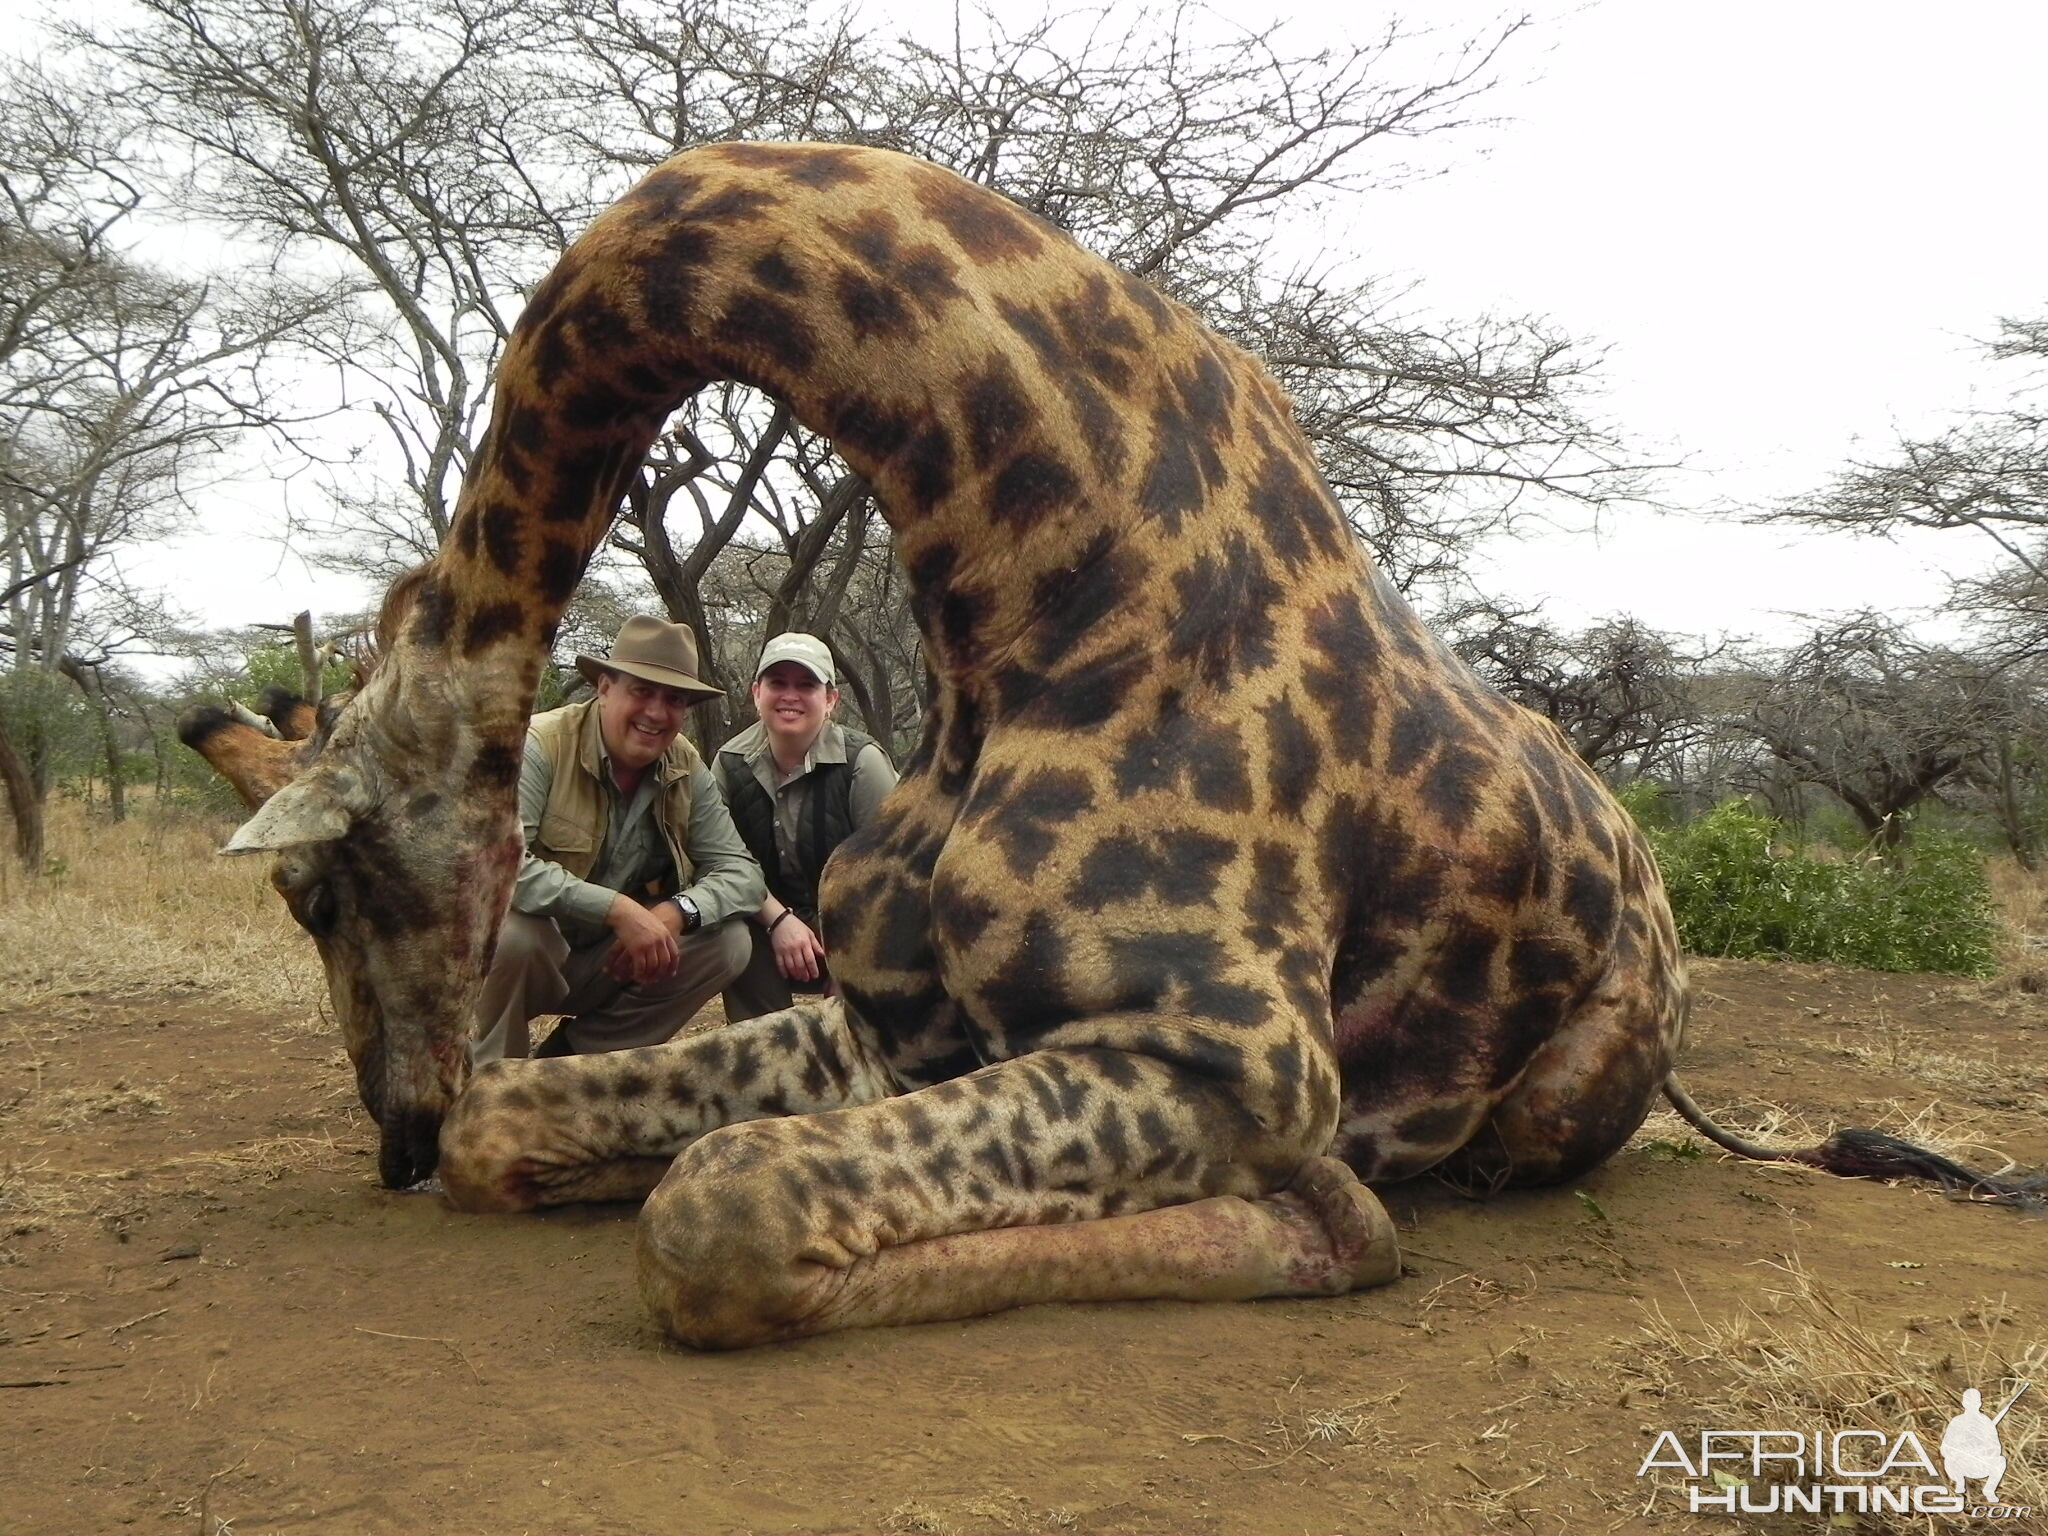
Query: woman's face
793, 704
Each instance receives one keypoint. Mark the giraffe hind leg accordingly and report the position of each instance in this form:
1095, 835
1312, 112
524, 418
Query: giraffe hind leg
1082, 1175
529, 1133
1585, 1092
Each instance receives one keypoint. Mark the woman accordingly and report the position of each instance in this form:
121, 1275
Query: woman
797, 784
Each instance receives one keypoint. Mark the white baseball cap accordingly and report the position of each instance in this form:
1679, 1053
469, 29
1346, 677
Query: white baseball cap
807, 651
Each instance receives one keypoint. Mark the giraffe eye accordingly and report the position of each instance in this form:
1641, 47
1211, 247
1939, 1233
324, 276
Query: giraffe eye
318, 911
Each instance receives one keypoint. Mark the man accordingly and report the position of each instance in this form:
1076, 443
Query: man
629, 910
797, 783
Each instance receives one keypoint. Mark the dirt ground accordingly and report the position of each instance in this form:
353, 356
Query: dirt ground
213, 1320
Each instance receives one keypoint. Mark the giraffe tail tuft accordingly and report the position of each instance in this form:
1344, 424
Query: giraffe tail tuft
1864, 1154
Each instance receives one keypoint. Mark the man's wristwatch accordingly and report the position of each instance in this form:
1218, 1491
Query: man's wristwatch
692, 918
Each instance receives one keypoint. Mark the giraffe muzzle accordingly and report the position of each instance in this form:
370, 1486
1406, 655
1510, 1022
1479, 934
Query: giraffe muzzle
409, 1147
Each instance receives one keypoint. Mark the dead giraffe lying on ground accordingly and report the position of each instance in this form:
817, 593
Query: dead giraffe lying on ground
1213, 861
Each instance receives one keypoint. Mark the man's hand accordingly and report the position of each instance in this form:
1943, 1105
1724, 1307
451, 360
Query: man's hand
646, 948
798, 954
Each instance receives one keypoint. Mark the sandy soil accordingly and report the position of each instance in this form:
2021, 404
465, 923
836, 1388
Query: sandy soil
212, 1320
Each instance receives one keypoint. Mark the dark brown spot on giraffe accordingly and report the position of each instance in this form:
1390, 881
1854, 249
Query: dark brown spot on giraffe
578, 479
735, 203
1177, 866
776, 272
661, 195
490, 625
1097, 330
1294, 760
1366, 849
502, 527
1424, 1046
1457, 785
1091, 694
1274, 896
870, 238
550, 353
1462, 966
1030, 488
999, 414
1205, 756
433, 614
1417, 732
558, 571
871, 308
1507, 871
765, 326
902, 930
495, 766
988, 229
1042, 336
1299, 519
868, 426
1590, 900
602, 331
1027, 995
1535, 962
927, 465
1070, 599
1149, 301
1181, 971
820, 169
596, 404
1029, 815
1224, 623
669, 284
961, 916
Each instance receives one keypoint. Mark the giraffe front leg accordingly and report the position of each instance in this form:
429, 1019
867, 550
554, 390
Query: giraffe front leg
1068, 1175
557, 1130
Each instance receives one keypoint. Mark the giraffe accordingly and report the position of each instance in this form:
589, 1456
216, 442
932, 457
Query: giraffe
1216, 888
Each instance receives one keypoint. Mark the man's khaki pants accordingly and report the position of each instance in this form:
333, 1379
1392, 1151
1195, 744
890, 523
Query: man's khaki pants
536, 972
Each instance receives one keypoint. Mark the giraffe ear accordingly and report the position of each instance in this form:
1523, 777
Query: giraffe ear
314, 808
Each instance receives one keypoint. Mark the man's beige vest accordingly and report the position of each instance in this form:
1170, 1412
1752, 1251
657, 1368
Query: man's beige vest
574, 821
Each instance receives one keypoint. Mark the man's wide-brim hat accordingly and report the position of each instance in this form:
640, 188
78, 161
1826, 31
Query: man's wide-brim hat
655, 651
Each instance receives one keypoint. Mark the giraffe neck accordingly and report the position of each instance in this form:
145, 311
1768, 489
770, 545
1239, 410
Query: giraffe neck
1014, 402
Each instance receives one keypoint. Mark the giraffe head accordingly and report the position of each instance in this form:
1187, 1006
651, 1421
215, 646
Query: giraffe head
395, 849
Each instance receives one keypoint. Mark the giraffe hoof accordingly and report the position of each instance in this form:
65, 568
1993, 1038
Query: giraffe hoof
1365, 1250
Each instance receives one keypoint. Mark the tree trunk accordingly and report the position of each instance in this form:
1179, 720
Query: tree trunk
23, 803
2019, 837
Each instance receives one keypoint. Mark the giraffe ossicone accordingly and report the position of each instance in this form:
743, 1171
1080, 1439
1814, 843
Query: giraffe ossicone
1215, 887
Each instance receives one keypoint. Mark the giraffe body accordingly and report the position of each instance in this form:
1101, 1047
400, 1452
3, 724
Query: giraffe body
1212, 861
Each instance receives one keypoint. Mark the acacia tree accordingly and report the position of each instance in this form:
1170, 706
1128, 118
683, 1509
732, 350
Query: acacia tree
435, 157
1877, 718
1987, 473
116, 382
1621, 692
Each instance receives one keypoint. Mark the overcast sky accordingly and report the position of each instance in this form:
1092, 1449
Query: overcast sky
1790, 222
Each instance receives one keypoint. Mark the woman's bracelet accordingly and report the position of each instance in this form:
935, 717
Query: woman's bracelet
778, 917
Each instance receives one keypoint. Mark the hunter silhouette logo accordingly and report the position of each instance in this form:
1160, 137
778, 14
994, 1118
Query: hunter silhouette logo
1845, 1471
1969, 1446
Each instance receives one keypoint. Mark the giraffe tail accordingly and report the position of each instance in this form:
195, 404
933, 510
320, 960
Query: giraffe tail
1864, 1154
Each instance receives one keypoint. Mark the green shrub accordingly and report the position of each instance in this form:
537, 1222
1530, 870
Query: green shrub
1735, 891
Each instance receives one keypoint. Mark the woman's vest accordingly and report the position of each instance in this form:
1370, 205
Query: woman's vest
823, 822
578, 812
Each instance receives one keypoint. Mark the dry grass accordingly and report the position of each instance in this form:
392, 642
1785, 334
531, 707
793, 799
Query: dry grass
1802, 1359
2021, 899
149, 906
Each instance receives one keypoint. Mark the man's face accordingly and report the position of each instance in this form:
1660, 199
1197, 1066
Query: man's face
793, 704
638, 719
